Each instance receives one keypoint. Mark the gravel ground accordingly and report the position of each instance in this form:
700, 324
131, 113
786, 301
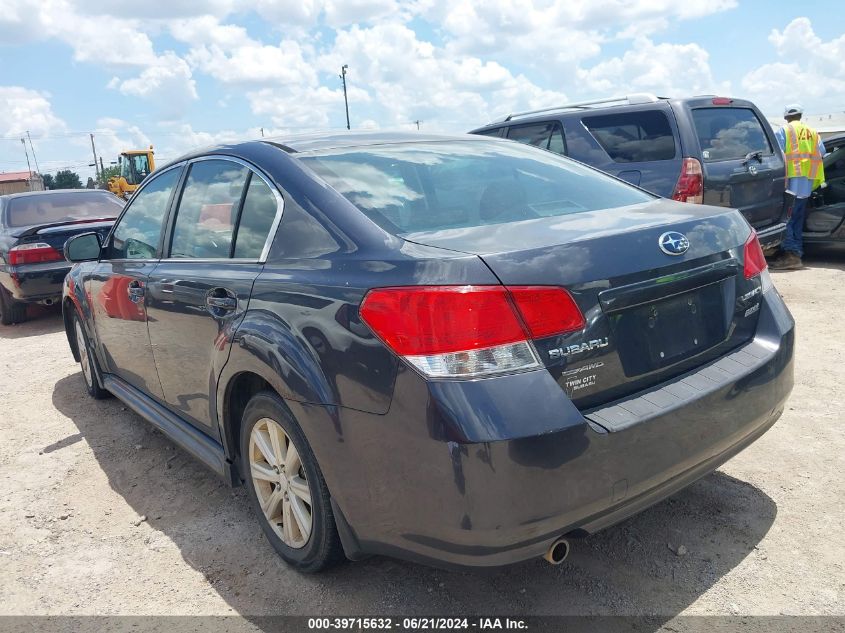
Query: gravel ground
102, 515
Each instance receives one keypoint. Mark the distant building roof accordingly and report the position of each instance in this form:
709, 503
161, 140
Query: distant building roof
14, 176
824, 124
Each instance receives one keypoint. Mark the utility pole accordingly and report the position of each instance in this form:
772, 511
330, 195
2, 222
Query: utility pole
262, 132
28, 168
34, 157
417, 122
345, 100
93, 149
102, 169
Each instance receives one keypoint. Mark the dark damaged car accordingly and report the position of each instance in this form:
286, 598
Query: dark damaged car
34, 227
454, 350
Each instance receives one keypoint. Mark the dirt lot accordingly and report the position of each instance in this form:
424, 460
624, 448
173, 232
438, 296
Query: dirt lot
102, 515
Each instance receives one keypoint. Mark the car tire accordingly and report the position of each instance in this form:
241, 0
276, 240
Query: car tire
280, 483
87, 362
11, 311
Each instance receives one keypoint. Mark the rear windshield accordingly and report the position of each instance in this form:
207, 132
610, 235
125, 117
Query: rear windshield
61, 207
633, 137
729, 133
407, 188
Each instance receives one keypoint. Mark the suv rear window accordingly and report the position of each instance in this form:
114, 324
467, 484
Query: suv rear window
407, 188
633, 137
727, 133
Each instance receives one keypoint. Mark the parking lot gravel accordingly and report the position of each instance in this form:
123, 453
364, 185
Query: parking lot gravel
100, 514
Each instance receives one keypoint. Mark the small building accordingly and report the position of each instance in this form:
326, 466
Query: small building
19, 181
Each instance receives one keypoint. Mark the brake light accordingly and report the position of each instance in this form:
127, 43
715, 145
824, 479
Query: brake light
722, 101
755, 262
36, 253
690, 185
465, 331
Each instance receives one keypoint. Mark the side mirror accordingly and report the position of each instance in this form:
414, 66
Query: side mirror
83, 248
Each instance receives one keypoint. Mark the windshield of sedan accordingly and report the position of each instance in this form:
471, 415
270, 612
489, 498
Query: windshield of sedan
407, 188
50, 208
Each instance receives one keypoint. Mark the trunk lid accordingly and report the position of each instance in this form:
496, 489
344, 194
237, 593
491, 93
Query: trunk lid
56, 234
649, 315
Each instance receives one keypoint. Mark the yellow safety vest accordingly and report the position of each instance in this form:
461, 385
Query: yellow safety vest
802, 153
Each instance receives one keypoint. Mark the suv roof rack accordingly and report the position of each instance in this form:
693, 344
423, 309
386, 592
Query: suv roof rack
631, 99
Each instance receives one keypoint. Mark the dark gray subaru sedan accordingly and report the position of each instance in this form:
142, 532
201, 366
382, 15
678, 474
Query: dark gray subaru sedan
456, 350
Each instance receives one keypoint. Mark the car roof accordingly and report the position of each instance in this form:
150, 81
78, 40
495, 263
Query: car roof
834, 140
47, 192
564, 111
302, 143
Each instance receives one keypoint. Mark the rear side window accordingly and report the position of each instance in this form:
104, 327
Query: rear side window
138, 233
633, 137
49, 208
729, 133
407, 188
207, 213
546, 135
257, 218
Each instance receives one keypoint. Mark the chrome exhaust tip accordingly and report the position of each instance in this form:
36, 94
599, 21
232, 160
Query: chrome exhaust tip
557, 552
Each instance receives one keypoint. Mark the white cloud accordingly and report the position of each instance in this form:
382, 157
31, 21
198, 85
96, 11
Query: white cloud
665, 69
254, 63
23, 109
343, 12
167, 83
813, 71
408, 79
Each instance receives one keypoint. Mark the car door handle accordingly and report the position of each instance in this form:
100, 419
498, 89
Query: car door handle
135, 290
226, 303
221, 299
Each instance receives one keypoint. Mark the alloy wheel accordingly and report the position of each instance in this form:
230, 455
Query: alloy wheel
280, 483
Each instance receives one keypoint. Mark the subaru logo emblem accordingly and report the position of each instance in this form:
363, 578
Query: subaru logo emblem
673, 243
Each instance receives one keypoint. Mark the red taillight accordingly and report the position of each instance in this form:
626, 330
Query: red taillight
546, 310
755, 262
722, 101
33, 254
690, 185
464, 331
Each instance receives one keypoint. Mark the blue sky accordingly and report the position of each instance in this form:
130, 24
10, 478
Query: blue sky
170, 74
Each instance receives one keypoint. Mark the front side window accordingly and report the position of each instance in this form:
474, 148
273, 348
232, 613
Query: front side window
729, 133
407, 188
138, 233
208, 208
633, 137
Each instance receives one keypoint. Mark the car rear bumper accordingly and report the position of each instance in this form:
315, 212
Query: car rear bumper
35, 283
772, 236
418, 484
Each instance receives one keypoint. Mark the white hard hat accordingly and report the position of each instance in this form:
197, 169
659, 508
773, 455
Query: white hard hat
793, 109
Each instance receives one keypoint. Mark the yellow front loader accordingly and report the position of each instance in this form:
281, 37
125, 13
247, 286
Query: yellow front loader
135, 165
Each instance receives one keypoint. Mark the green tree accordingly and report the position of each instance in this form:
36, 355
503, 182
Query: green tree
67, 179
49, 181
108, 172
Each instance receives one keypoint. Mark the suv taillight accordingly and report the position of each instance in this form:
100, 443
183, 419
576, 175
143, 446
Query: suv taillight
754, 261
33, 254
690, 185
469, 331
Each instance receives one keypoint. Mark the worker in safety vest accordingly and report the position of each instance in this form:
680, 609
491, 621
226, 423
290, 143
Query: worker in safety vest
803, 151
